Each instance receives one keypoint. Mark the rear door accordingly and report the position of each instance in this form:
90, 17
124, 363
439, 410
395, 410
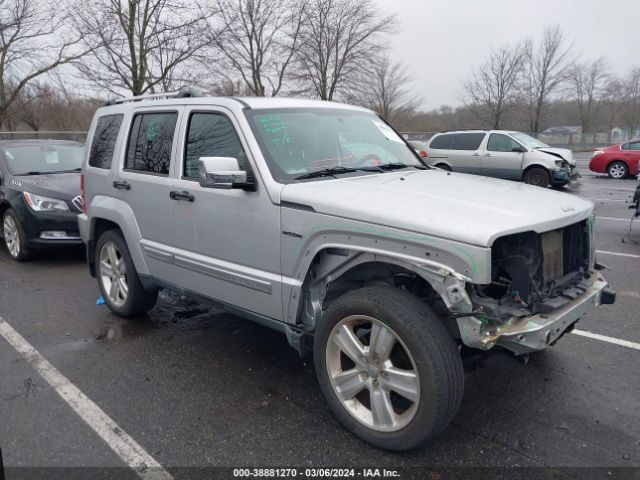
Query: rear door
499, 160
465, 154
144, 184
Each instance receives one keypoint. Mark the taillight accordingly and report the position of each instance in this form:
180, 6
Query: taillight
423, 154
83, 195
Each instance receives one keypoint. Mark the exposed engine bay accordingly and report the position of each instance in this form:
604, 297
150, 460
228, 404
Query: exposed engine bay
536, 272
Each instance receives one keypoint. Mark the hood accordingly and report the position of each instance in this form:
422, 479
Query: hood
64, 186
466, 208
565, 153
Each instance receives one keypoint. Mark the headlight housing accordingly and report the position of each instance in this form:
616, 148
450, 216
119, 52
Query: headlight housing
39, 203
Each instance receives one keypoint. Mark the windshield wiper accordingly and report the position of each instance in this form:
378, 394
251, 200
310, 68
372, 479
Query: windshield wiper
72, 170
35, 172
326, 172
399, 165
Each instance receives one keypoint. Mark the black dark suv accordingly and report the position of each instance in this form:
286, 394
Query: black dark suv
39, 194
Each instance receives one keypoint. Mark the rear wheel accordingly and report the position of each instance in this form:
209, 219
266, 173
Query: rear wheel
118, 279
14, 236
537, 176
388, 368
618, 170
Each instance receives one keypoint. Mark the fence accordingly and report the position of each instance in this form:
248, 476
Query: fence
44, 135
574, 141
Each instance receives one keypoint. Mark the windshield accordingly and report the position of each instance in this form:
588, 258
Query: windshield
528, 141
300, 141
25, 159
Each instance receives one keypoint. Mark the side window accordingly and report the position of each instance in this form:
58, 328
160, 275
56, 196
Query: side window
467, 141
625, 146
442, 141
104, 141
210, 135
634, 146
501, 143
150, 142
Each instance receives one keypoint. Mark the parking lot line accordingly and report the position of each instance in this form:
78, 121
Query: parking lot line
115, 437
618, 254
605, 199
604, 338
614, 218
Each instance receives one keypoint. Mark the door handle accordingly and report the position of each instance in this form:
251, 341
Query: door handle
182, 196
122, 185
487, 154
476, 154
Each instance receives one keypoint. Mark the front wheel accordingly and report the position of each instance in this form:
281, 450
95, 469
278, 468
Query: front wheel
14, 236
118, 279
388, 368
538, 177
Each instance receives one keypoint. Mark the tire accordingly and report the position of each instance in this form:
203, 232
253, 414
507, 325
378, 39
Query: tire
538, 177
618, 170
14, 237
422, 349
444, 166
127, 298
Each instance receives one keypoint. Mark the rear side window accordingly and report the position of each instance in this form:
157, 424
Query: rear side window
150, 142
104, 141
442, 142
210, 135
467, 141
633, 146
501, 143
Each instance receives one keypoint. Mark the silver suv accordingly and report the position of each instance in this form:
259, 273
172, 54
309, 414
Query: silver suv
502, 154
318, 220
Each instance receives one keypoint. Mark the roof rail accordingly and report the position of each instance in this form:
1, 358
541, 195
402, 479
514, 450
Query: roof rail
184, 93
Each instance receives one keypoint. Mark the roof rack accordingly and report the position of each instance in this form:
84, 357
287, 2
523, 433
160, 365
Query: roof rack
184, 93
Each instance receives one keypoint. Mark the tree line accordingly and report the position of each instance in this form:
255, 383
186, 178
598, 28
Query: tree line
60, 60
326, 49
524, 83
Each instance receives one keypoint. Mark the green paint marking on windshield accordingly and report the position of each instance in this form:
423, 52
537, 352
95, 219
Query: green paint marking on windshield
153, 128
276, 128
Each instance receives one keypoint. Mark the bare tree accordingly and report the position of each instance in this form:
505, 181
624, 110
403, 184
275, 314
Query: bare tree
256, 41
337, 37
545, 70
31, 46
386, 90
492, 90
138, 45
587, 83
631, 97
612, 102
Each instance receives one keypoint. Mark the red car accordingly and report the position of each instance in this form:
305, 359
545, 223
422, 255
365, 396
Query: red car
619, 161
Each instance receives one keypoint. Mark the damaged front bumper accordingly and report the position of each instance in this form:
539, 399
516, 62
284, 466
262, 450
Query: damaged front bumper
530, 333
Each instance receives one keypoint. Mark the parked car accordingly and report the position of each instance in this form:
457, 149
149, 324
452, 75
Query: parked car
248, 204
39, 194
618, 161
421, 147
502, 154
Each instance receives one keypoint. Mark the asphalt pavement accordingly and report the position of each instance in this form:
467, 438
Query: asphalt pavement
194, 387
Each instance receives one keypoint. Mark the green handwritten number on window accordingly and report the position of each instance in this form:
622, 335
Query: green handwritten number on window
153, 128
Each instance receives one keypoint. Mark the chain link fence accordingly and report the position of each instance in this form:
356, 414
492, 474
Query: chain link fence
44, 135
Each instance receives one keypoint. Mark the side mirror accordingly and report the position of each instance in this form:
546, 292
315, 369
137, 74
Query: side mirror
222, 172
518, 150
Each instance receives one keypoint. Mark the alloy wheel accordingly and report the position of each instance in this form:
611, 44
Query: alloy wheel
617, 170
11, 236
373, 373
113, 274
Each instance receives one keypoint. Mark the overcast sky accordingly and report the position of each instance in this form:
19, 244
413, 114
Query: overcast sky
440, 41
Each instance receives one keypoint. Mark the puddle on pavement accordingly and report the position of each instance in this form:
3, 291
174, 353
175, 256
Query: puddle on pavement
172, 312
